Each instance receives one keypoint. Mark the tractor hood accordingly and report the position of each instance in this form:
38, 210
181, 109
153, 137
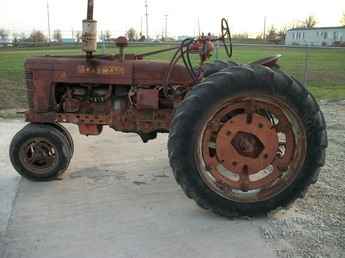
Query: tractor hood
105, 70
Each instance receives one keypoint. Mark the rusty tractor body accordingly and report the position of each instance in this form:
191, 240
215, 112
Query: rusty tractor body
243, 139
126, 95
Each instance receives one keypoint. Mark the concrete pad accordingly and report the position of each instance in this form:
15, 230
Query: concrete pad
119, 199
9, 179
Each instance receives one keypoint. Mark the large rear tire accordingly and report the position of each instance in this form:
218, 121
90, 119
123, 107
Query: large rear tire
215, 67
246, 141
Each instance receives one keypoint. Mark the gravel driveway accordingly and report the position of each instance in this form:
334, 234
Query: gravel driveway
119, 199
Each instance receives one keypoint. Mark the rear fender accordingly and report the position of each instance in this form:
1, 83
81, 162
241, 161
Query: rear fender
271, 61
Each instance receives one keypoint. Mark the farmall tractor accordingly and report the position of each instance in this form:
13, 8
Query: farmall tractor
244, 139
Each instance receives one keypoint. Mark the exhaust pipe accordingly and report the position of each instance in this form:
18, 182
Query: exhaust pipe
90, 10
89, 36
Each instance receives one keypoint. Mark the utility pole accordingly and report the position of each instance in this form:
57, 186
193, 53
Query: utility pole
199, 27
141, 26
147, 19
265, 24
166, 26
48, 16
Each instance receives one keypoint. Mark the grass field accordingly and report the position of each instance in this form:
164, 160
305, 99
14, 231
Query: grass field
326, 76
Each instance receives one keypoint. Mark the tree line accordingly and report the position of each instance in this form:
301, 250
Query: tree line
273, 34
276, 35
37, 36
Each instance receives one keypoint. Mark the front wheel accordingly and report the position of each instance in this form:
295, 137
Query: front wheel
40, 152
247, 140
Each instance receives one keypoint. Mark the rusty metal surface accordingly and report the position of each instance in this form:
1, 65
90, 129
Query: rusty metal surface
251, 149
105, 71
147, 99
268, 61
143, 121
155, 73
55, 84
204, 47
242, 145
86, 129
131, 121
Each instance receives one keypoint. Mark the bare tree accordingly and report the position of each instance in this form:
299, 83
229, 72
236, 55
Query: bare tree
37, 37
57, 36
272, 34
259, 36
282, 33
131, 34
342, 20
310, 22
142, 38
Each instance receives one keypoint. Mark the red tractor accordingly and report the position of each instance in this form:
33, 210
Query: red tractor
244, 139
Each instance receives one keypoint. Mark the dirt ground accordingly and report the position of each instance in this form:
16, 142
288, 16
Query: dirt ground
119, 199
315, 226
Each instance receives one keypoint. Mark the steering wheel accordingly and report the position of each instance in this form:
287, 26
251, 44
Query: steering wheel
226, 36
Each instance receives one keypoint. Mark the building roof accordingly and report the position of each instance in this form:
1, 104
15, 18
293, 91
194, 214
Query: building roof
319, 28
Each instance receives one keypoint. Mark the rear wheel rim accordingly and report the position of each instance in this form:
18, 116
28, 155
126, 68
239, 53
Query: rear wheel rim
251, 148
38, 155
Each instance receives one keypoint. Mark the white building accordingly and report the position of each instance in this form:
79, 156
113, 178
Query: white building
5, 42
326, 36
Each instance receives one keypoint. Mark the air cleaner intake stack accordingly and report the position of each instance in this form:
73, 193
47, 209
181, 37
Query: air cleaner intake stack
89, 37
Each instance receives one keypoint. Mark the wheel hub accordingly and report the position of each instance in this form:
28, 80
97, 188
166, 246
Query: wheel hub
251, 148
38, 154
247, 143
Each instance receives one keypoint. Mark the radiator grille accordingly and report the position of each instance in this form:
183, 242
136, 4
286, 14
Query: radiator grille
30, 88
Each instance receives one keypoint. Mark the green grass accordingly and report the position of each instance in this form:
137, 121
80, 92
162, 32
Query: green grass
326, 77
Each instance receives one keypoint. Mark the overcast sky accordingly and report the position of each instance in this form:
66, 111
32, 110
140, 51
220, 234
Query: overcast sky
118, 16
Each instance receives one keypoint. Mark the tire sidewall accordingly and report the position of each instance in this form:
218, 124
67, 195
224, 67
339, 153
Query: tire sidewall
55, 138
